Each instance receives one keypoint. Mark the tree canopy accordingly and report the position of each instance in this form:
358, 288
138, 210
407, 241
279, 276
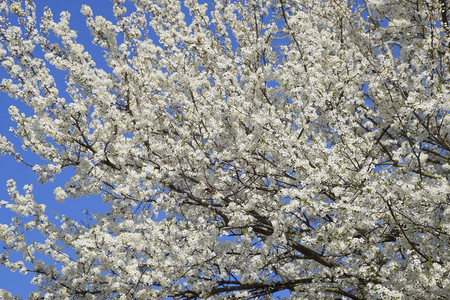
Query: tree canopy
243, 148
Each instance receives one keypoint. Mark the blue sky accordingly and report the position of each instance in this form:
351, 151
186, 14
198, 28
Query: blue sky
17, 283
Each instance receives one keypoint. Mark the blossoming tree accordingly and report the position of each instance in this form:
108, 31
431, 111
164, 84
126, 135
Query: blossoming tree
244, 148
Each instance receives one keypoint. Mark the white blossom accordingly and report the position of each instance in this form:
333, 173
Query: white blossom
242, 149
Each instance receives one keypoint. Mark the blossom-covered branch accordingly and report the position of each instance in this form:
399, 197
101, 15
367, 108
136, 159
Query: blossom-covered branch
244, 148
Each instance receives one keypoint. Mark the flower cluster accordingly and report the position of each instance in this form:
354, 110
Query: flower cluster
244, 148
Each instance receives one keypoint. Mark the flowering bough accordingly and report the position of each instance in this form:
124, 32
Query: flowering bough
244, 147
